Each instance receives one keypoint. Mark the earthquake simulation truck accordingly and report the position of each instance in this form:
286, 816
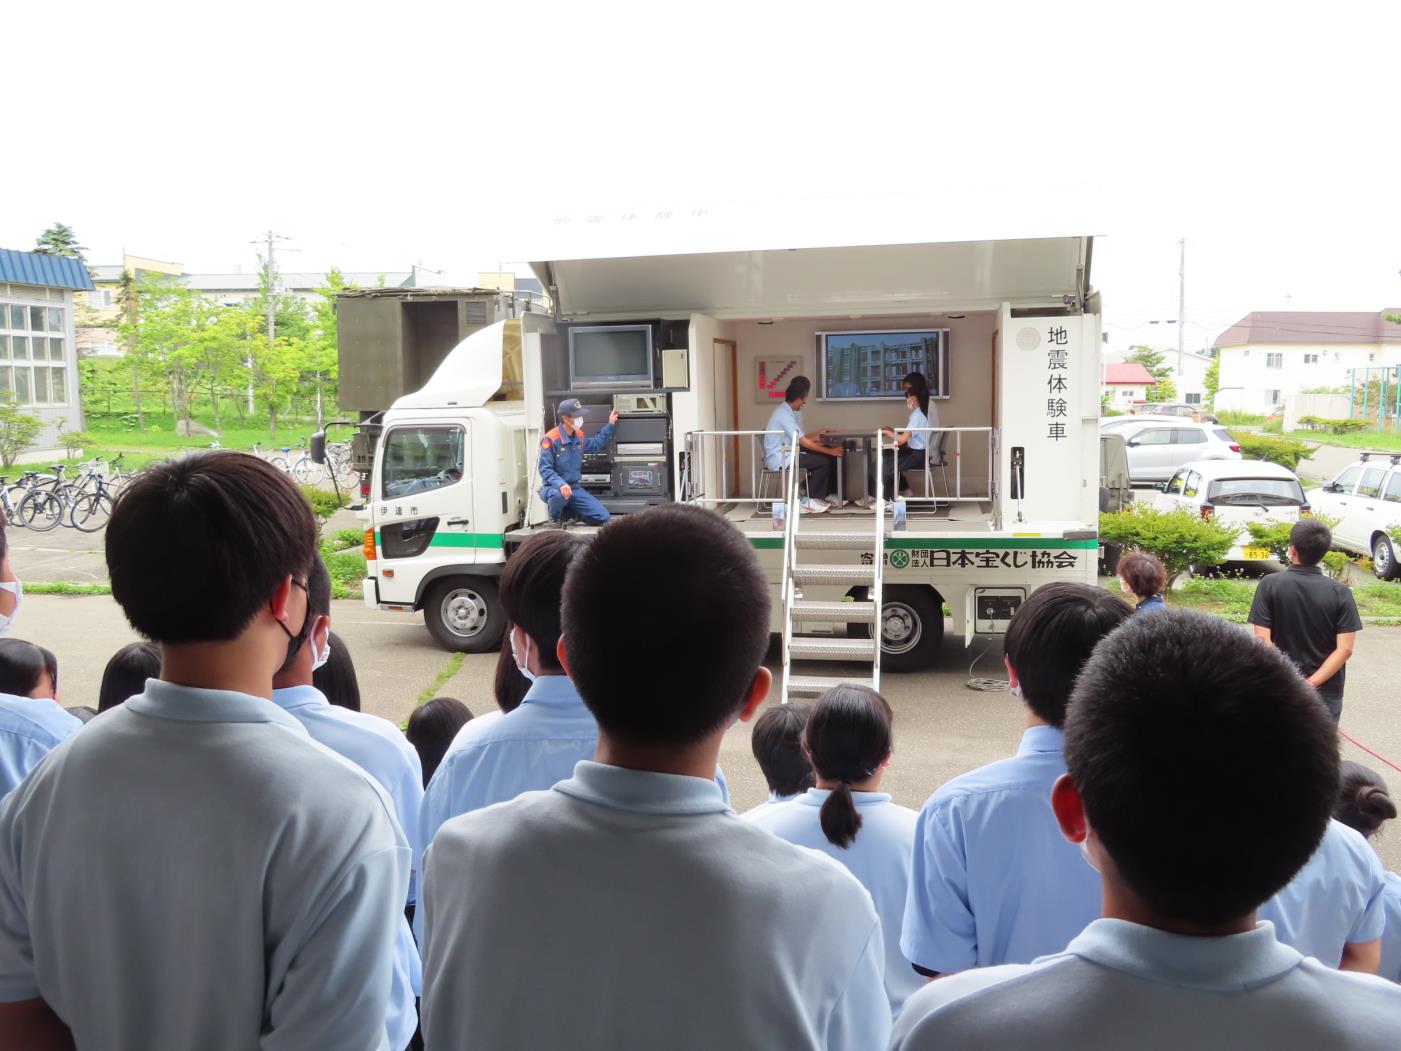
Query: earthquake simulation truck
693, 344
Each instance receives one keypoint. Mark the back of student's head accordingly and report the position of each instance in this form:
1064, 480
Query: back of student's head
27, 670
1143, 573
1207, 767
318, 587
848, 737
531, 585
336, 679
777, 742
1310, 540
1050, 638
126, 673
196, 545
509, 686
1363, 800
431, 728
666, 621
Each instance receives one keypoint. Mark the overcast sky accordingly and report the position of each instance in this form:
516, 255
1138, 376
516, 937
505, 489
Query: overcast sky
375, 136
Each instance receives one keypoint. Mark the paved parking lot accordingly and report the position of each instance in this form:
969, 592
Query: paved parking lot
941, 727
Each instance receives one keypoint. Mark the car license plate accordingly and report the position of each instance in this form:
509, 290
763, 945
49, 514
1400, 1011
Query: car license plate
1256, 554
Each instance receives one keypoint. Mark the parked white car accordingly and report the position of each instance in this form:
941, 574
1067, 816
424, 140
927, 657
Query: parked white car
1365, 498
1235, 492
1122, 423
1157, 450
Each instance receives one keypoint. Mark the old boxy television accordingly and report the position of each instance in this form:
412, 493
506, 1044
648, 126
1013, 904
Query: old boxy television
610, 356
868, 365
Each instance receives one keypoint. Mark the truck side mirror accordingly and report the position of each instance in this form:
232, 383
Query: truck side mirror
1133, 445
317, 446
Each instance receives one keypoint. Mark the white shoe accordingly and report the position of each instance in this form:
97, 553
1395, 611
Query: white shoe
812, 507
866, 502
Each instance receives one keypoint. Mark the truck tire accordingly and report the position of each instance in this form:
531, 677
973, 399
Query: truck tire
1384, 558
912, 628
464, 614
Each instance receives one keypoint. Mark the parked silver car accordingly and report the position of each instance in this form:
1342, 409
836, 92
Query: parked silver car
1158, 449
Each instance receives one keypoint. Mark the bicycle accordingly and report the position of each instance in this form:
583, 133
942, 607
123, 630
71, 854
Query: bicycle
280, 462
90, 511
44, 506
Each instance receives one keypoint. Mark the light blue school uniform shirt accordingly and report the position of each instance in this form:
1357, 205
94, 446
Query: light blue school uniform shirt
249, 881
30, 727
879, 857
645, 914
919, 439
1334, 899
377, 747
1120, 985
774, 800
784, 419
993, 880
1390, 968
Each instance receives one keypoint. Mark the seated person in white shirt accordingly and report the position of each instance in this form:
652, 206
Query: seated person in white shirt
848, 817
32, 722
641, 910
1202, 772
814, 455
251, 880
377, 747
911, 444
1365, 805
777, 743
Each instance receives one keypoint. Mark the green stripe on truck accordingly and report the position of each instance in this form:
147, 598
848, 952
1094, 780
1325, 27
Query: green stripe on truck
1018, 543
494, 540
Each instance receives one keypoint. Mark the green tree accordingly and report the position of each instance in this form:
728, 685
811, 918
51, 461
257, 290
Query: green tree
1164, 387
59, 239
321, 369
1211, 383
18, 429
173, 328
275, 373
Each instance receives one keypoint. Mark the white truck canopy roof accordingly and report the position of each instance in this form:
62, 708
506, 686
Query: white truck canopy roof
473, 371
888, 255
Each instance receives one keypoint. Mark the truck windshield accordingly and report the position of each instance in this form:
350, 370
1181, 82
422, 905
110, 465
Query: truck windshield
421, 459
1269, 492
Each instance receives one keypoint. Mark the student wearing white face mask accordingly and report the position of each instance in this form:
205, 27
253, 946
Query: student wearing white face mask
11, 590
377, 747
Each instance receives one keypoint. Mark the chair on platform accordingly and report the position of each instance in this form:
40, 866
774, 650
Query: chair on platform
936, 459
781, 476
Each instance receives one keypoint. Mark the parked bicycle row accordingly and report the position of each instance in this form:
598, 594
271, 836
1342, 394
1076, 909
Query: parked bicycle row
45, 501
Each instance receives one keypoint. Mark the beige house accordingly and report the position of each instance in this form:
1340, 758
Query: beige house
99, 312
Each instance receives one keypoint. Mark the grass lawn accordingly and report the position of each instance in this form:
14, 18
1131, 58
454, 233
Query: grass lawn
1358, 440
1378, 603
160, 434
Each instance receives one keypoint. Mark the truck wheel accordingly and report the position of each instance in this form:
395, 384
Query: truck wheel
1384, 559
912, 628
464, 614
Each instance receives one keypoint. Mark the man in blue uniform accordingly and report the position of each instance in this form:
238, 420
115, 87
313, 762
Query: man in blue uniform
561, 456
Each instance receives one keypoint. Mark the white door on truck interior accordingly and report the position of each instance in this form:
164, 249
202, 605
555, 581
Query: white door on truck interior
423, 506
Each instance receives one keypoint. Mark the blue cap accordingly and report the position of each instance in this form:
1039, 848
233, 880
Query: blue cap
571, 407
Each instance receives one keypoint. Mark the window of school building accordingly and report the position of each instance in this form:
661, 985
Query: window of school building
33, 354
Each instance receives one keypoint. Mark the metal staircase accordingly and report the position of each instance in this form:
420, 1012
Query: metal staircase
800, 540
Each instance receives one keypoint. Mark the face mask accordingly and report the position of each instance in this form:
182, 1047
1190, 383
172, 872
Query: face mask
577, 423
318, 660
522, 662
294, 642
1085, 852
15, 588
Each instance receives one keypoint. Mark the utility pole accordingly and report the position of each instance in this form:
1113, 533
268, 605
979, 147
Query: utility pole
270, 239
1181, 304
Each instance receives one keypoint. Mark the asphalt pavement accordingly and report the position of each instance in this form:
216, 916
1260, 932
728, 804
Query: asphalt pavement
942, 727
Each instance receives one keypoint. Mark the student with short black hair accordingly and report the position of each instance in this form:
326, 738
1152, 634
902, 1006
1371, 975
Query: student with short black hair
847, 817
509, 686
993, 879
787, 444
31, 721
1308, 615
685, 927
126, 673
252, 880
1201, 776
377, 747
777, 744
1365, 805
1141, 574
336, 678
431, 728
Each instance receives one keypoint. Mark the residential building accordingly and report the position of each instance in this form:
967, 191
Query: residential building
1124, 384
99, 312
1191, 384
1267, 356
237, 288
38, 355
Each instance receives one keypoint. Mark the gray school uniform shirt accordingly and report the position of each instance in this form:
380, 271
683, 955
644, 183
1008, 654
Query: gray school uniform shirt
191, 870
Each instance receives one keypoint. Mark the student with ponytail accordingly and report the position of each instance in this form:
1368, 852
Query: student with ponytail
1364, 804
847, 817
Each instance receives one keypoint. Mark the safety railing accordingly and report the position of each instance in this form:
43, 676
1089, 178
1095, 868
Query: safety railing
792, 512
708, 467
936, 458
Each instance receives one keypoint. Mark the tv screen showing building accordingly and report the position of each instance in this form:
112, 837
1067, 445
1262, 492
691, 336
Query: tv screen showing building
872, 364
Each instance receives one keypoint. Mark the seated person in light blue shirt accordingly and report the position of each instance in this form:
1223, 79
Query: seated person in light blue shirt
644, 912
1364, 805
815, 457
31, 720
993, 880
377, 747
777, 743
848, 817
251, 880
911, 444
1202, 770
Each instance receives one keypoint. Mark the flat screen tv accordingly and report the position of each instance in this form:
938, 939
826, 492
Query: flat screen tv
610, 356
870, 365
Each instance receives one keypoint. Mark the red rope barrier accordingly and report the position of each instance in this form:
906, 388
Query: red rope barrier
1373, 754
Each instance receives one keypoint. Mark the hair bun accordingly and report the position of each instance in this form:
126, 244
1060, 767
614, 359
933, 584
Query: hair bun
1376, 802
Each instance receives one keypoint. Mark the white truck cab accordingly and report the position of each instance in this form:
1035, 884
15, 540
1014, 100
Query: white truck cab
1007, 330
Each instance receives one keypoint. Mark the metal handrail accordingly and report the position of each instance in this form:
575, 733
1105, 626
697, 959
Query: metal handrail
956, 497
878, 559
791, 511
696, 448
